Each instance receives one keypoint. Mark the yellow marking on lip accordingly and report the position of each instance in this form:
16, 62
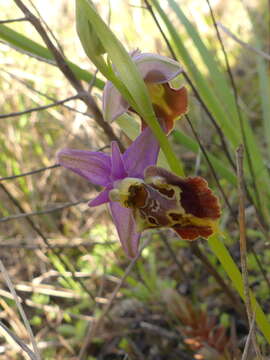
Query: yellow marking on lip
121, 191
157, 93
189, 219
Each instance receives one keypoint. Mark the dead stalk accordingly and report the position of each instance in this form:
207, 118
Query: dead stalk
243, 243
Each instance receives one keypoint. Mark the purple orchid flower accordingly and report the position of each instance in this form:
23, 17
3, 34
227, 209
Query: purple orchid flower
107, 171
157, 71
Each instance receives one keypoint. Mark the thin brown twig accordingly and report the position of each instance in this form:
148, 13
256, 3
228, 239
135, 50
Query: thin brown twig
21, 310
209, 164
160, 331
174, 257
48, 28
24, 245
196, 93
246, 351
19, 342
227, 290
28, 86
13, 20
213, 121
39, 108
239, 113
241, 42
93, 327
32, 55
24, 215
135, 350
243, 242
11, 177
66, 70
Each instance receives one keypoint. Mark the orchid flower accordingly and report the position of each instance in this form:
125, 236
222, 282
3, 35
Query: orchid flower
143, 196
163, 199
157, 71
107, 171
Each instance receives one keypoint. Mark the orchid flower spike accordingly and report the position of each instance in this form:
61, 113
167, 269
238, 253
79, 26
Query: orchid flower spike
157, 71
143, 196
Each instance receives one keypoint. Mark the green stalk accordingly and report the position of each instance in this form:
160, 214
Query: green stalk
219, 249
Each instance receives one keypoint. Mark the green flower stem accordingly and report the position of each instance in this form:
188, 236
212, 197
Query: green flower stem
174, 163
219, 249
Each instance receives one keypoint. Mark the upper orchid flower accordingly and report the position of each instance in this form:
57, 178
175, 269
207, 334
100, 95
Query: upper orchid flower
107, 171
157, 71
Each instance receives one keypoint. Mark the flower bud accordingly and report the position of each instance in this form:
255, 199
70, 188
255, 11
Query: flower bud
88, 37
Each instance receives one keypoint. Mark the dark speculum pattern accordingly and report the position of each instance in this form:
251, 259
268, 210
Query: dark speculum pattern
186, 205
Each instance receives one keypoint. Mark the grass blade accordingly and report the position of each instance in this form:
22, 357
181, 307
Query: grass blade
23, 43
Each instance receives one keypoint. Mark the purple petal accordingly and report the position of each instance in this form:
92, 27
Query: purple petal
126, 228
117, 170
142, 153
156, 68
113, 103
102, 198
94, 166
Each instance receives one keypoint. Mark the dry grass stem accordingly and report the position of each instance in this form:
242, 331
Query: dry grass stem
30, 172
243, 242
14, 339
12, 20
20, 308
244, 44
93, 327
39, 108
43, 247
249, 338
239, 113
43, 212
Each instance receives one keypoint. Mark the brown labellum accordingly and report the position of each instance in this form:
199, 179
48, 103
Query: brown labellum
186, 205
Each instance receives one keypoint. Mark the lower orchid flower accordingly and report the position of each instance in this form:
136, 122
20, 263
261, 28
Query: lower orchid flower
142, 196
163, 199
108, 171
